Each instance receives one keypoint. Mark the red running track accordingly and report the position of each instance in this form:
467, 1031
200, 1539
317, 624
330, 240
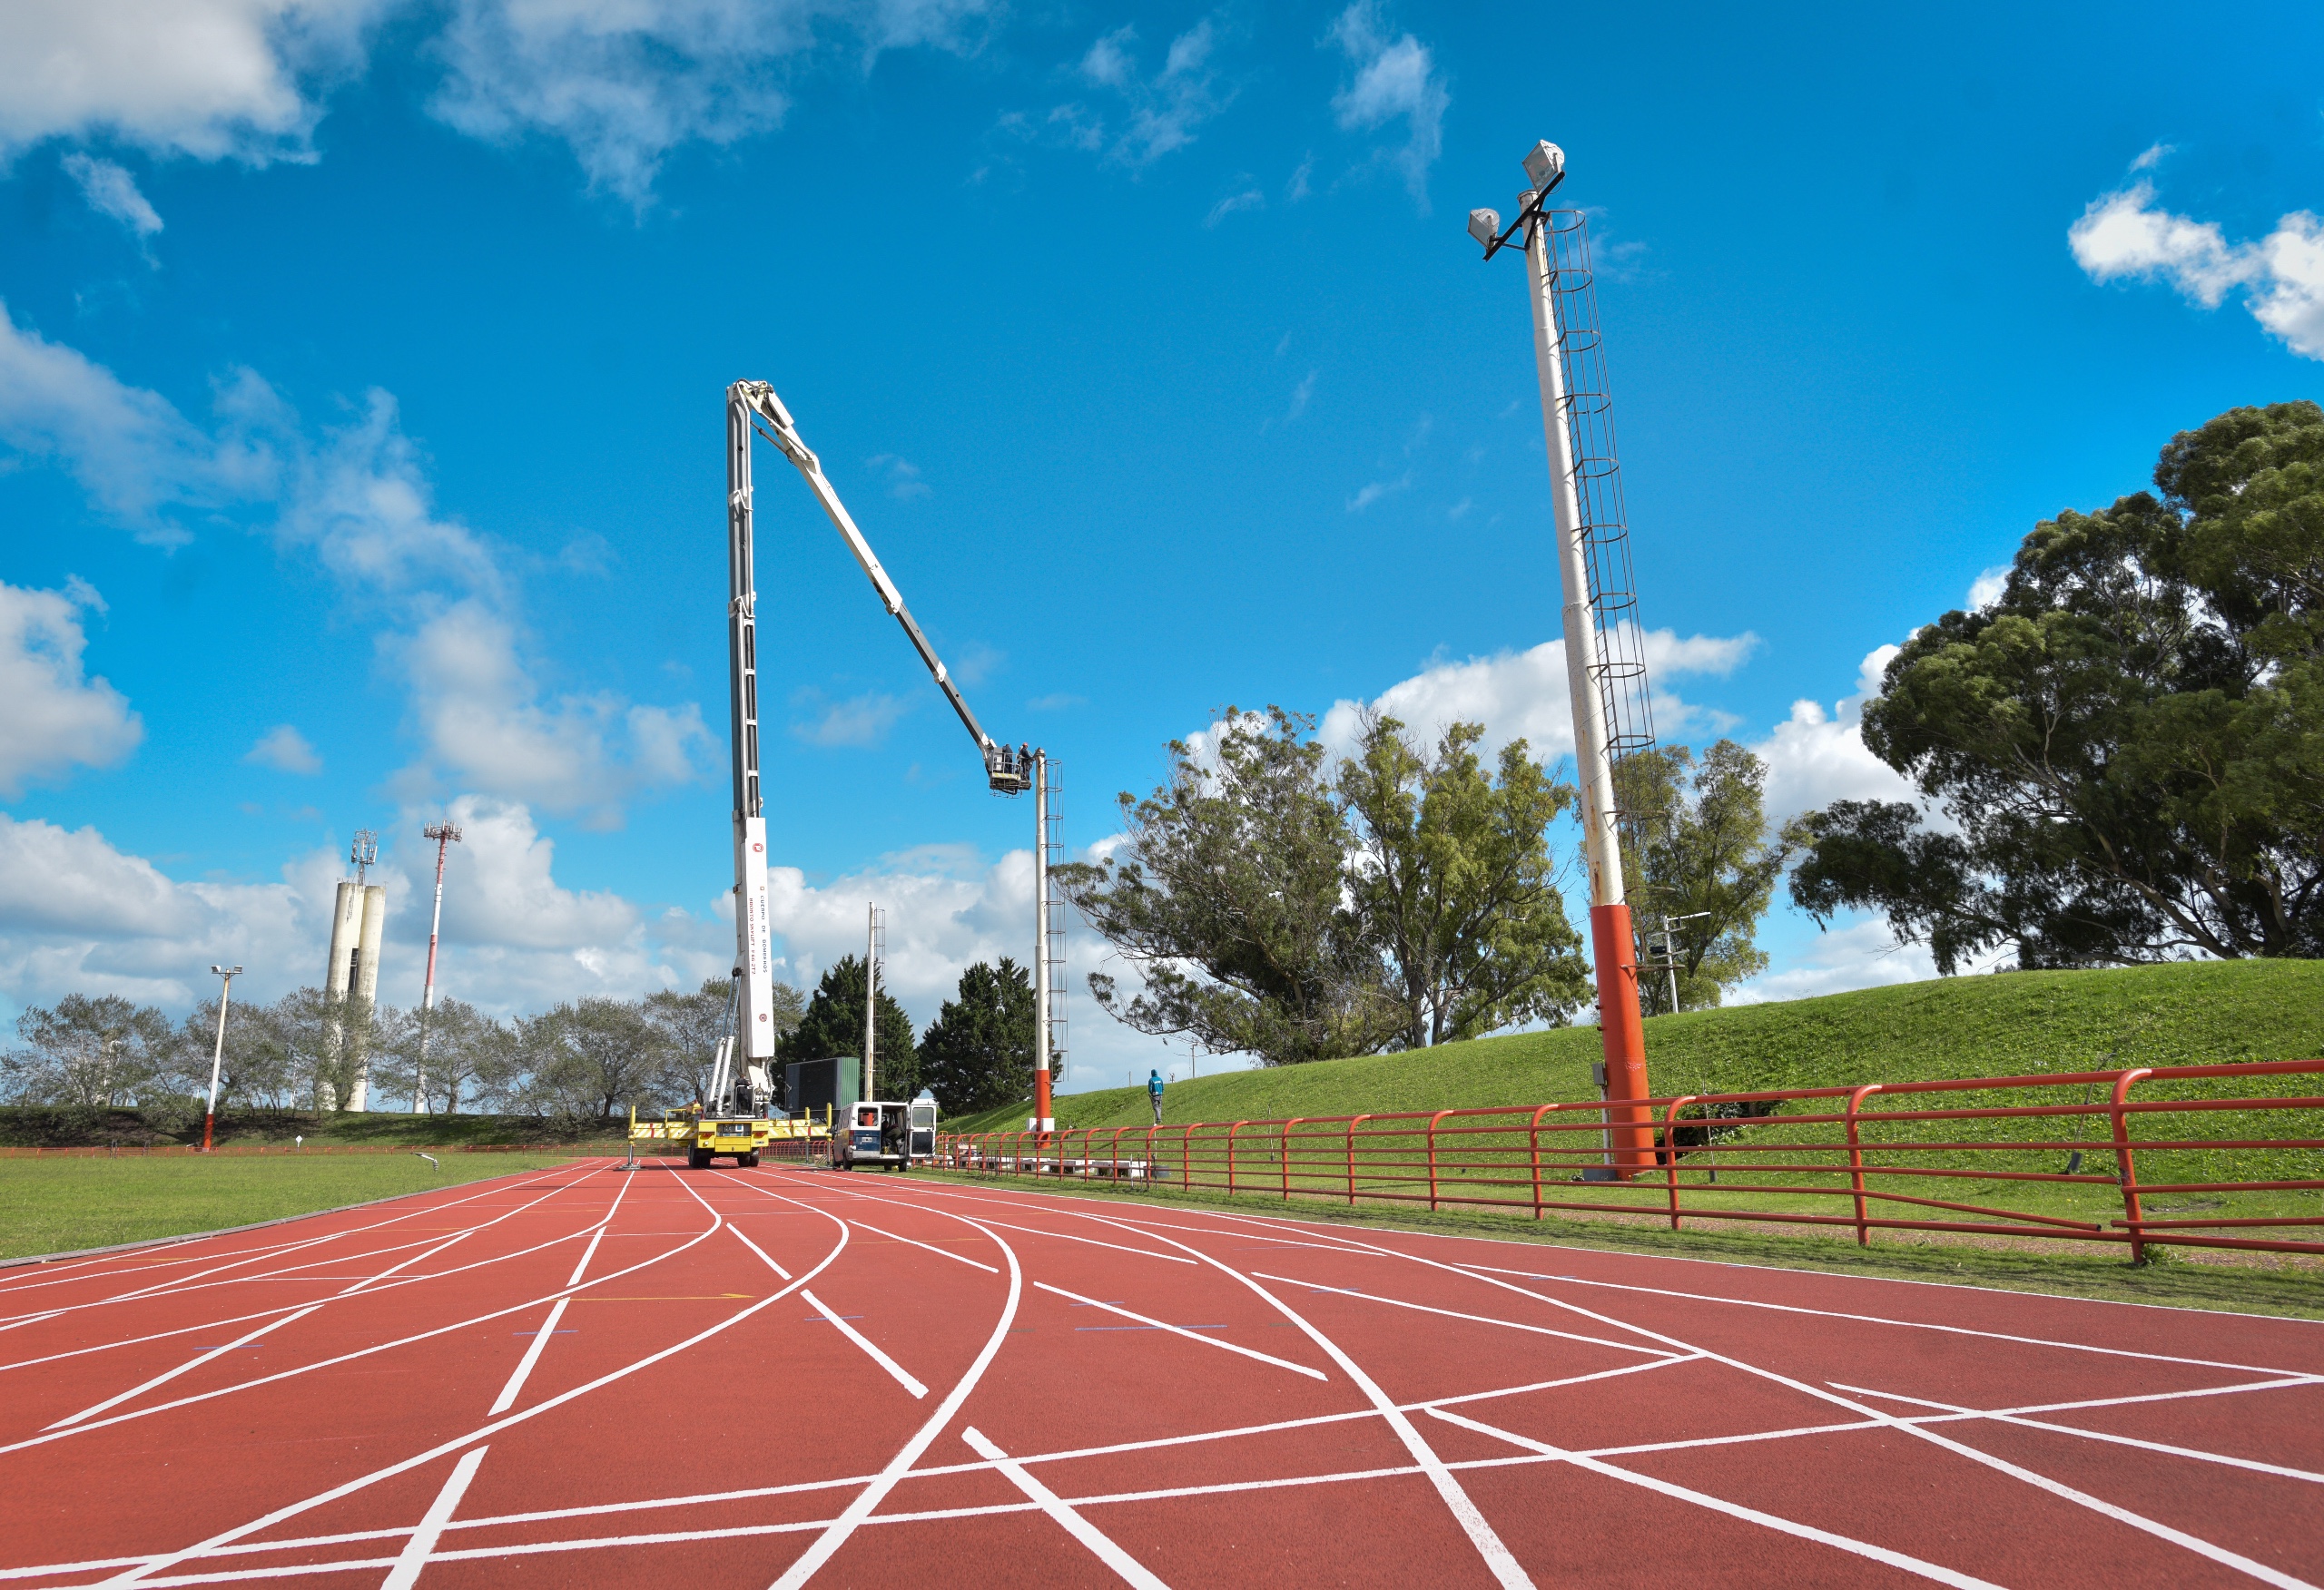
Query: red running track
765, 1378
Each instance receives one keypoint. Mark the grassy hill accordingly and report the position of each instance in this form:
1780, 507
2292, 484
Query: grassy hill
2019, 1023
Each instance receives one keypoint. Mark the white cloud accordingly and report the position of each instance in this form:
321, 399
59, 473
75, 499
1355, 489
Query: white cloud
1248, 199
1373, 490
112, 193
902, 474
1299, 396
53, 716
2126, 235
1815, 758
285, 749
1524, 694
213, 79
362, 501
1986, 588
1855, 955
862, 720
484, 725
1163, 110
1393, 78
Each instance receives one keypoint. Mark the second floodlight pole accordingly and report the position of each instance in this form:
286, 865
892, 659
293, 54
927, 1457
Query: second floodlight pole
446, 835
870, 993
1614, 949
1043, 1120
218, 1055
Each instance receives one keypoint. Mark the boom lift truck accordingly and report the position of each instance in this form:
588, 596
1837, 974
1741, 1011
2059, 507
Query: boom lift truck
877, 1131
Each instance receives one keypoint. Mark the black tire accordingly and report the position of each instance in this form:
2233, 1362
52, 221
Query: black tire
749, 1162
695, 1159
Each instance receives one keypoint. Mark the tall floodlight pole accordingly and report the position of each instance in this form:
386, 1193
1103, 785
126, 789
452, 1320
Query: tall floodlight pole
1613, 945
218, 1055
1043, 1120
445, 834
870, 994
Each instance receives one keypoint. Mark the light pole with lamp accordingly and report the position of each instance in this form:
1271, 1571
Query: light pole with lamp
218, 1055
445, 834
1590, 677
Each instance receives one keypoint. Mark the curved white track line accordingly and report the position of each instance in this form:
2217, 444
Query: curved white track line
824, 1544
1128, 1567
227, 1538
364, 1352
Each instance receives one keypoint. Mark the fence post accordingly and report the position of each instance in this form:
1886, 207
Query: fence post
1433, 1119
1114, 1154
1535, 1133
1352, 1122
1283, 1152
2127, 1173
1149, 1153
1855, 1163
1231, 1130
1670, 1152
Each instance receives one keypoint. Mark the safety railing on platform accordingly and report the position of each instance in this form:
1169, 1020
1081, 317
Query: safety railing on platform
2071, 1155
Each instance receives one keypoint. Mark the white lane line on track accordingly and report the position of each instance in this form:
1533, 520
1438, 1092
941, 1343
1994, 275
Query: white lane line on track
1063, 1236
1124, 1566
2003, 1416
711, 1498
483, 1432
507, 1397
1181, 1330
166, 1376
872, 1496
1879, 1554
761, 1252
2160, 1358
1456, 1314
830, 1316
945, 1253
422, 1544
360, 1353
186, 1282
1498, 1559
2159, 1530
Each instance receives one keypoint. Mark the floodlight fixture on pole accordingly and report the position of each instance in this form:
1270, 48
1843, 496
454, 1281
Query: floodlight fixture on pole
218, 1055
445, 834
1595, 673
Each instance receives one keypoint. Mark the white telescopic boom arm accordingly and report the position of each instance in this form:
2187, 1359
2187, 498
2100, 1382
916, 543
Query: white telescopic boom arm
759, 398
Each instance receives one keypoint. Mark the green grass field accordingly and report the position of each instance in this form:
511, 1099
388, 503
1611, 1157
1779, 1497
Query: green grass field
29, 1126
2196, 1013
54, 1204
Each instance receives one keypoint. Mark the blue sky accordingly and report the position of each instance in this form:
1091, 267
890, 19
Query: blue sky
360, 429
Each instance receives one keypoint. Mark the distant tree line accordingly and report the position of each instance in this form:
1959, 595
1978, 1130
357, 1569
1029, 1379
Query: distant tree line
584, 1059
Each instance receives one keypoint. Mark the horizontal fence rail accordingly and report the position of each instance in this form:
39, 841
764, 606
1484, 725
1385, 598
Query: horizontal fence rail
2210, 1157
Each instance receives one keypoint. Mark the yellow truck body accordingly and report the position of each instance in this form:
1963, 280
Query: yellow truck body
708, 1137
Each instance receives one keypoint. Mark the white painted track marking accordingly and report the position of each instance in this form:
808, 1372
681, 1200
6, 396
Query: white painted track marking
1498, 1559
830, 1316
1124, 1566
2159, 1357
716, 1220
1063, 1236
422, 1545
2003, 1416
1456, 1314
257, 1526
539, 1344
1190, 1335
943, 1252
872, 1496
2160, 1531
166, 1376
1879, 1554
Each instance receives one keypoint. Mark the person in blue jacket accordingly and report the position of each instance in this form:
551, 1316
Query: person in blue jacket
1154, 1094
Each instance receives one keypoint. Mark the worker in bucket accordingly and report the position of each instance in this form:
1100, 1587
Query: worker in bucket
1154, 1094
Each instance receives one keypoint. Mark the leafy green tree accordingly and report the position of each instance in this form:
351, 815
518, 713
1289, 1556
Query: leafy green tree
689, 1026
1229, 899
832, 1025
1696, 848
978, 1054
588, 1058
90, 1053
1453, 882
2128, 742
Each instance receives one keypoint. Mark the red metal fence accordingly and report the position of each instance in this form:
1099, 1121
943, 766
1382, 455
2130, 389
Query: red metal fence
2022, 1156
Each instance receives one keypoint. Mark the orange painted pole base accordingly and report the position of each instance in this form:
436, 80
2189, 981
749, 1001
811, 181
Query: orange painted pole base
1629, 1126
208, 1121
1042, 1099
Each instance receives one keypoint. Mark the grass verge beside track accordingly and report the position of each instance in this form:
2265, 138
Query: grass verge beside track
56, 1206
2252, 1284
